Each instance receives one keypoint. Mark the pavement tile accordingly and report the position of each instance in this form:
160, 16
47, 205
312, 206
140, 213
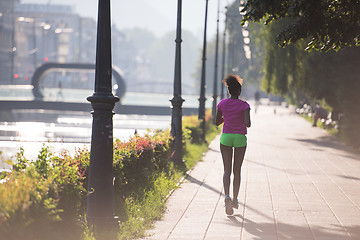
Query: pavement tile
298, 183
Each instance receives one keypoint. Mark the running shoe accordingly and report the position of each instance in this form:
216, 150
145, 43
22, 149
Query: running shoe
228, 206
235, 204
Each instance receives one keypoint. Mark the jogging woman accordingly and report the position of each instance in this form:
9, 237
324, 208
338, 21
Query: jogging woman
235, 114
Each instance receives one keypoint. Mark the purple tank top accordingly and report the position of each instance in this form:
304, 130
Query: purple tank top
233, 113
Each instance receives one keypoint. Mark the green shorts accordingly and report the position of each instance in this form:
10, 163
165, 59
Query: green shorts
233, 140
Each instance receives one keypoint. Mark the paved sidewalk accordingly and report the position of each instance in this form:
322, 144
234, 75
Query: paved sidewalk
298, 183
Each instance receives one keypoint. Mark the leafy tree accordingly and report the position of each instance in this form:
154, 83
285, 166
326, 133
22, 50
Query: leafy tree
283, 68
254, 73
325, 24
332, 76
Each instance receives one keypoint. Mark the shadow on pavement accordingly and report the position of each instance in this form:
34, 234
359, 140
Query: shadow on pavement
264, 231
325, 142
349, 177
290, 171
201, 183
214, 149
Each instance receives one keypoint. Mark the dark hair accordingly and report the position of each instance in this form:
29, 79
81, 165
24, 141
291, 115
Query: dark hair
233, 84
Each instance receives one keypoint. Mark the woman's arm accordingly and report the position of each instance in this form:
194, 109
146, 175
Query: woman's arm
247, 118
219, 117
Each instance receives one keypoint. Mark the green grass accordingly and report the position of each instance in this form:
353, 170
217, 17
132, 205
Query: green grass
148, 208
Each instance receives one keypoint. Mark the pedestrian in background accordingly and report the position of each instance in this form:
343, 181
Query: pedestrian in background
319, 113
235, 114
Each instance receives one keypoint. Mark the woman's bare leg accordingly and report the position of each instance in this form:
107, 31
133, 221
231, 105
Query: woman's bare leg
227, 153
239, 154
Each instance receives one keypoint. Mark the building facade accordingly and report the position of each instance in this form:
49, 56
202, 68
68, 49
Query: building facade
33, 34
7, 36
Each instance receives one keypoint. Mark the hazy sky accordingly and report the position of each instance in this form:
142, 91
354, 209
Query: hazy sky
158, 16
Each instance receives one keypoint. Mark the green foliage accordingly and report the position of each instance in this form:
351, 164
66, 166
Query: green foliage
194, 147
330, 128
27, 209
254, 73
334, 77
144, 209
41, 197
22, 162
191, 129
136, 161
324, 24
42, 163
307, 77
45, 197
282, 66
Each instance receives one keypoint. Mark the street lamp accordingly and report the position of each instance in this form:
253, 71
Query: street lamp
100, 201
177, 101
216, 66
202, 98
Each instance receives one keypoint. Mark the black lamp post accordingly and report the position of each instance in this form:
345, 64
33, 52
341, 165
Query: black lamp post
100, 201
216, 67
202, 98
177, 101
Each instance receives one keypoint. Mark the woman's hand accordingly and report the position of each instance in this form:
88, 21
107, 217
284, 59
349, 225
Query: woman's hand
219, 117
247, 118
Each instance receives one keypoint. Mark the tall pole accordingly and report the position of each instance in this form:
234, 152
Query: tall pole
202, 98
177, 101
216, 66
223, 57
100, 201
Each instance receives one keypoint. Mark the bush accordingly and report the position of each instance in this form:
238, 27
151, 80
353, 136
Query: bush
136, 161
51, 189
38, 195
45, 198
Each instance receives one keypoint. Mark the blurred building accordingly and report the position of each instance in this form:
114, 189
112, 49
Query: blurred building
32, 34
7, 8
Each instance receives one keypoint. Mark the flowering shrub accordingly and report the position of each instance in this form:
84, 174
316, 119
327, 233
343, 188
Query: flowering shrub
52, 188
137, 158
135, 162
